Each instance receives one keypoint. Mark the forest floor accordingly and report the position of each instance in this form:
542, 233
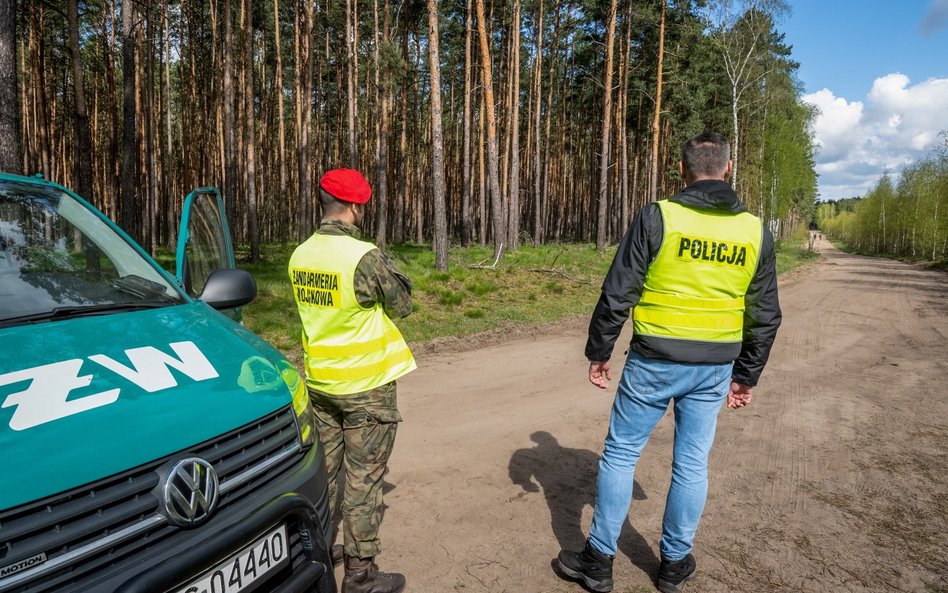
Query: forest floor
833, 479
528, 287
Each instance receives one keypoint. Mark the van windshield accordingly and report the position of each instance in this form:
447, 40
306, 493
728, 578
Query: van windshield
60, 259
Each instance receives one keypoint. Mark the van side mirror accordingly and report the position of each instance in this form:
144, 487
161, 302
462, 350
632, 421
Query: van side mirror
227, 288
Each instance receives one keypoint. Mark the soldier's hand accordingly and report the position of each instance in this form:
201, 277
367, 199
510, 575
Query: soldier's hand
599, 374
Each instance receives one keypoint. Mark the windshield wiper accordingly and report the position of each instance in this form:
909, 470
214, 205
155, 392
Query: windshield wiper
137, 286
82, 310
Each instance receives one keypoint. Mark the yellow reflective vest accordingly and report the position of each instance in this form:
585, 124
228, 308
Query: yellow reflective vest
695, 287
347, 348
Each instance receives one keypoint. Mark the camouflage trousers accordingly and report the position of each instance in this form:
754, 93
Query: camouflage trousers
358, 433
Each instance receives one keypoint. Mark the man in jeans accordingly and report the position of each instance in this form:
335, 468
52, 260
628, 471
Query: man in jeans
697, 271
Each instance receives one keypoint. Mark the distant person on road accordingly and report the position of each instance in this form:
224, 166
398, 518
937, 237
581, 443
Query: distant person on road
697, 270
346, 291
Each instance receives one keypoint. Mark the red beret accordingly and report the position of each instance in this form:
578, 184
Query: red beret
347, 185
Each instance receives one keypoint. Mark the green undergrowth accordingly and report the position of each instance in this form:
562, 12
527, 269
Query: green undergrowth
532, 285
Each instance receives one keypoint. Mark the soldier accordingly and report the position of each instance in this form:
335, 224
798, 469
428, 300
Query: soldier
346, 291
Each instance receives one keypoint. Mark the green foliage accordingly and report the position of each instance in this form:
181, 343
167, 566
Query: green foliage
905, 219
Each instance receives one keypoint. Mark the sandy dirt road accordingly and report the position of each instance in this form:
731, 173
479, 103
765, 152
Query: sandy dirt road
833, 479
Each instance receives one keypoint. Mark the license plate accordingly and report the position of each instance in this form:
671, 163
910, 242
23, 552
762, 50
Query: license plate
241, 570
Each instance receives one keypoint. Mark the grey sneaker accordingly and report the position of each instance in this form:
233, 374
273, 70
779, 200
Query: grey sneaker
672, 575
590, 566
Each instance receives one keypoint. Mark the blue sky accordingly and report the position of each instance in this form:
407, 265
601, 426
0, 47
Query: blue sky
878, 71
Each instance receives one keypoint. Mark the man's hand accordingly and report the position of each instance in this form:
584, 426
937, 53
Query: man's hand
737, 397
599, 374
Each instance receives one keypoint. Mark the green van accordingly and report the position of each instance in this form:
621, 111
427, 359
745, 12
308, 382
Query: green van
150, 443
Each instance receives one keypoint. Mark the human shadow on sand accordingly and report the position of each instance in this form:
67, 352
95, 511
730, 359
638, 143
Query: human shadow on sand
568, 480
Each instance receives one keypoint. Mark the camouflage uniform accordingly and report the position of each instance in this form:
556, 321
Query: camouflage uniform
357, 431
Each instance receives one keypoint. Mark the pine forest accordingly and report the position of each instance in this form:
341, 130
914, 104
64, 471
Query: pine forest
493, 122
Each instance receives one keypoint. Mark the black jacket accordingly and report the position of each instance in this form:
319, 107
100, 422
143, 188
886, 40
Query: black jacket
622, 289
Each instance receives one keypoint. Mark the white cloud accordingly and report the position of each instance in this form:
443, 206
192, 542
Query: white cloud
896, 125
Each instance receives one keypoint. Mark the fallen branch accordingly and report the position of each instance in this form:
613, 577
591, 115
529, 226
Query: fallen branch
558, 272
493, 266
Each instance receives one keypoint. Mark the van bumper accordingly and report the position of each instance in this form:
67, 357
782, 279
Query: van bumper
297, 499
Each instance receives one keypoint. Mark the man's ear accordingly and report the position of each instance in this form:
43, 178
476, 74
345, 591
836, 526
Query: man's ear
728, 170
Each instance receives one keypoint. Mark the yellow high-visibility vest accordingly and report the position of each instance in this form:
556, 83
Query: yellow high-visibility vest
346, 348
694, 290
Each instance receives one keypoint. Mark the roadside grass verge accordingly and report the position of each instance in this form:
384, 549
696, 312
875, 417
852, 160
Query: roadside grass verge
794, 254
530, 286
928, 263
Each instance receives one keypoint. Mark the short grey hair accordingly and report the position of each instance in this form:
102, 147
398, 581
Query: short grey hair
706, 155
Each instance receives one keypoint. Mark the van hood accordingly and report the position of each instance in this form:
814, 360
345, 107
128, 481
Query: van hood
86, 398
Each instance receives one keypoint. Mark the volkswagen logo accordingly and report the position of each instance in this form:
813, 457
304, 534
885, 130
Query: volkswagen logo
188, 492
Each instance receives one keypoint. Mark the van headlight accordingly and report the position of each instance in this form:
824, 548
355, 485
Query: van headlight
305, 417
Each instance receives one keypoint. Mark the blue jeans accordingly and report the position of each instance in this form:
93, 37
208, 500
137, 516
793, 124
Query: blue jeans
645, 390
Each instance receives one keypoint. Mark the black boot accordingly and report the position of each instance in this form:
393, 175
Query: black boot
363, 576
590, 566
673, 575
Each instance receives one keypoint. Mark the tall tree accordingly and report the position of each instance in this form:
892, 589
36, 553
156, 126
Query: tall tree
440, 243
467, 215
250, 143
381, 158
513, 221
497, 208
353, 87
281, 125
657, 118
230, 121
304, 99
537, 109
602, 235
741, 37
129, 214
11, 159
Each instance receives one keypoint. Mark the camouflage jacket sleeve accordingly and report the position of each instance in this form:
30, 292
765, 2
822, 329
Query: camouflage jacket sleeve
377, 280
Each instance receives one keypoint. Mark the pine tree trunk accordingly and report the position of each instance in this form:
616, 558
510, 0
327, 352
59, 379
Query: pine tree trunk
169, 167
281, 126
602, 234
513, 221
150, 145
83, 149
538, 108
130, 215
403, 157
440, 242
381, 160
11, 158
230, 123
305, 109
481, 174
466, 214
352, 86
492, 164
656, 120
250, 142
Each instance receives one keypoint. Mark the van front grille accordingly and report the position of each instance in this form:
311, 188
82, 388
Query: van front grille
98, 525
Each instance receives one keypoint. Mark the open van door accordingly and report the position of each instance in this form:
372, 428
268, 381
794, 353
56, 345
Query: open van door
205, 264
